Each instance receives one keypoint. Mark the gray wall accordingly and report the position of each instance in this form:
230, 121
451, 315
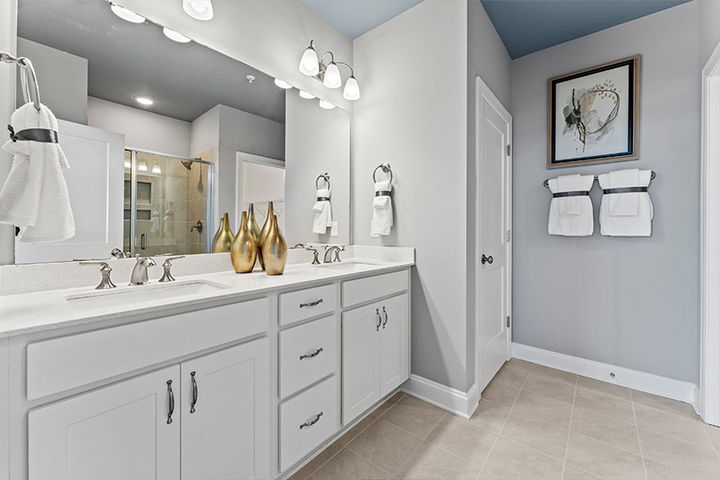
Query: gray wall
316, 141
709, 13
632, 302
62, 77
488, 58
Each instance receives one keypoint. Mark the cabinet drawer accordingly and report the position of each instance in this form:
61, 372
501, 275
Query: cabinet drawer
305, 411
69, 362
296, 306
308, 353
370, 288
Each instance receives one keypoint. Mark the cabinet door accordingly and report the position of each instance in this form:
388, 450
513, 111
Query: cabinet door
394, 343
225, 414
361, 385
120, 432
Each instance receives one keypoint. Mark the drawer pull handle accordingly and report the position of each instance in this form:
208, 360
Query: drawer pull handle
312, 355
312, 422
386, 318
171, 402
194, 392
379, 319
311, 304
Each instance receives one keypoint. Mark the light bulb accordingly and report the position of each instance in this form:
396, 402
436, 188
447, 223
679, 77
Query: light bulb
128, 165
352, 89
282, 84
146, 101
142, 166
332, 77
156, 169
306, 95
326, 105
199, 9
125, 14
309, 63
175, 36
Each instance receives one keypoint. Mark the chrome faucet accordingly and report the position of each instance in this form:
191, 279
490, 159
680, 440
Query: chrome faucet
328, 258
139, 274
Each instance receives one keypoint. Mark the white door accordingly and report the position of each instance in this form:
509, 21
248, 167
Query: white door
493, 234
225, 414
394, 338
360, 383
95, 183
120, 432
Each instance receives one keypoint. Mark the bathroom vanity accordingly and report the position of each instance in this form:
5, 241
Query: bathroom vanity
213, 376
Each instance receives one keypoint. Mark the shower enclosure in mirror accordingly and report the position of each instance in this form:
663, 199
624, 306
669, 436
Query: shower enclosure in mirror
164, 137
166, 205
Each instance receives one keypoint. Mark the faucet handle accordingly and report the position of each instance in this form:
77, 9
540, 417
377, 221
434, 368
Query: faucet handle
316, 260
105, 271
167, 265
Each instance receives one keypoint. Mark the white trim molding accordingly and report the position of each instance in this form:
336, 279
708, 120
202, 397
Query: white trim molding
645, 382
454, 401
709, 399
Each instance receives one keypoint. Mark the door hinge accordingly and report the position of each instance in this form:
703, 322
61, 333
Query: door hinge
509, 150
508, 236
507, 321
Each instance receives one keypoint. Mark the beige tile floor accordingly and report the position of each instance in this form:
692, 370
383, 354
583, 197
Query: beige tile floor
532, 423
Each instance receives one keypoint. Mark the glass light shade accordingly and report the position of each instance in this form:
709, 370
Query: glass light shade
306, 95
156, 169
332, 77
142, 166
127, 15
326, 105
199, 9
309, 63
128, 165
282, 84
175, 36
352, 89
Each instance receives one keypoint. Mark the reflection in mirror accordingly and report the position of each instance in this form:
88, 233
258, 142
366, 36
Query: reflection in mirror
165, 137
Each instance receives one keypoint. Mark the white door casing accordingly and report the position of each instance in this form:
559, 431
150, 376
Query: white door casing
493, 234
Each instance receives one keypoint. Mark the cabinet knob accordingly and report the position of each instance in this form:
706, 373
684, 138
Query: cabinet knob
485, 259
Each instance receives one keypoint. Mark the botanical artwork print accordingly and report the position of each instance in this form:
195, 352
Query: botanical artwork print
592, 115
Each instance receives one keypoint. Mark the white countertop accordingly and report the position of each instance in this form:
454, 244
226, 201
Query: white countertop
45, 310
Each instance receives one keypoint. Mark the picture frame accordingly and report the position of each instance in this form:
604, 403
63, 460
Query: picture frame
594, 115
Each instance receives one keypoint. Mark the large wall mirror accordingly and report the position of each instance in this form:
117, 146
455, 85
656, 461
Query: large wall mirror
165, 135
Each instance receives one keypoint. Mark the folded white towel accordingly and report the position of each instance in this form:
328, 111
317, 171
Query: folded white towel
382, 221
616, 213
571, 216
35, 196
323, 212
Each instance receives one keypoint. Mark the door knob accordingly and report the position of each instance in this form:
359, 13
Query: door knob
484, 259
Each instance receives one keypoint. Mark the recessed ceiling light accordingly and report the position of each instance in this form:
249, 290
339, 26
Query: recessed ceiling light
199, 9
326, 105
125, 14
175, 36
306, 95
146, 101
282, 84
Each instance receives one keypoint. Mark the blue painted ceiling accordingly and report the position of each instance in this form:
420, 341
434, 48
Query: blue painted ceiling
525, 26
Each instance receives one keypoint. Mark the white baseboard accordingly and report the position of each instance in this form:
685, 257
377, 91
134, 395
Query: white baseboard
645, 382
454, 401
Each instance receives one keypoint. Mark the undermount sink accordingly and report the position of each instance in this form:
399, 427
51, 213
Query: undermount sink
142, 293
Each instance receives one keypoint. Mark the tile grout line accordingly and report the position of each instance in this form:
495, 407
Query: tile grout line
637, 432
567, 440
487, 457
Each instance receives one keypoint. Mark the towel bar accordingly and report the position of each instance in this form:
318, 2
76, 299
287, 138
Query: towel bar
652, 177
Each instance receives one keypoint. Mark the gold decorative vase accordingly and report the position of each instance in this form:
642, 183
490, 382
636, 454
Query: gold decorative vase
244, 248
264, 232
222, 242
274, 249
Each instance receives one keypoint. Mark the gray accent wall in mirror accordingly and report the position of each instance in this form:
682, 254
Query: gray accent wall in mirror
164, 137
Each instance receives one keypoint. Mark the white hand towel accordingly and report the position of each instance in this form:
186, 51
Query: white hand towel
614, 218
382, 221
571, 216
323, 212
35, 196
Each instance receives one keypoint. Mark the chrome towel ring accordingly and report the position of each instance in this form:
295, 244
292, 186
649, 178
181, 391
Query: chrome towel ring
385, 168
325, 176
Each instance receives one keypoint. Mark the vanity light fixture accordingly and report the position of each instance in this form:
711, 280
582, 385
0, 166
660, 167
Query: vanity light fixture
328, 72
199, 9
175, 36
142, 166
156, 169
145, 101
125, 14
326, 105
282, 84
306, 95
